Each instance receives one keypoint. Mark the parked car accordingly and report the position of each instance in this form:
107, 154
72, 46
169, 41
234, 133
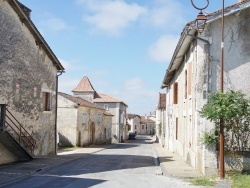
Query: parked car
132, 136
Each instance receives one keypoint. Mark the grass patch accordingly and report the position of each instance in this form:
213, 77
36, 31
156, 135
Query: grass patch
203, 181
241, 180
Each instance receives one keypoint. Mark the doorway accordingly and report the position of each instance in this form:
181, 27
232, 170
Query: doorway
92, 133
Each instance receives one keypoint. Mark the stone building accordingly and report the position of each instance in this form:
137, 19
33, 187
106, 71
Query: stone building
134, 121
82, 123
28, 69
112, 105
160, 124
147, 126
194, 72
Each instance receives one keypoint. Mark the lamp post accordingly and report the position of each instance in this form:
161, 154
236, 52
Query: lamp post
200, 24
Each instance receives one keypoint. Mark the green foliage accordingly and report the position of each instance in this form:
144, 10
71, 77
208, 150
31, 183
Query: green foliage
203, 181
129, 127
210, 138
234, 110
160, 128
241, 181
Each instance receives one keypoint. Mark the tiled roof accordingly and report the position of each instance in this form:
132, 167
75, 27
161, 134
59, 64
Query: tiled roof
80, 101
130, 116
146, 120
105, 98
185, 39
84, 85
162, 101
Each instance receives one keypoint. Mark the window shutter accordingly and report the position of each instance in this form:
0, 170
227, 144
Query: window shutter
185, 85
175, 99
189, 81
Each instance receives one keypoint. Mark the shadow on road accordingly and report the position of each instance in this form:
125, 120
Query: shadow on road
46, 181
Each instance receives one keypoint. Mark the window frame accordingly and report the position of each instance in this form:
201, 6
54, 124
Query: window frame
106, 107
84, 118
175, 93
46, 101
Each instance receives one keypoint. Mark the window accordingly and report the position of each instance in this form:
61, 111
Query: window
122, 117
189, 79
135, 126
142, 127
185, 96
99, 118
175, 94
84, 118
146, 127
46, 101
176, 127
106, 107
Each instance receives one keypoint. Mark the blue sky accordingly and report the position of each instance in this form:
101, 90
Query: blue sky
123, 46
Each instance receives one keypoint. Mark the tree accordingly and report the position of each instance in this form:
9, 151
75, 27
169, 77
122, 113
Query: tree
234, 109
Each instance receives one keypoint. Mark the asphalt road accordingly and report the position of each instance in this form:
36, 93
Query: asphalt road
131, 164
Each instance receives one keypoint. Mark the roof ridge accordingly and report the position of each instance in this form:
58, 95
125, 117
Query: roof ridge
84, 85
109, 96
78, 100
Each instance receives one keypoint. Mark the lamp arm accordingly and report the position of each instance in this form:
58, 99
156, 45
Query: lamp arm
198, 7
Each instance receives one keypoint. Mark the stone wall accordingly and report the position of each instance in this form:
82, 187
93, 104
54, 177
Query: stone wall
6, 156
26, 73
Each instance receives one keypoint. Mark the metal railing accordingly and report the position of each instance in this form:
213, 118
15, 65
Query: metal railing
19, 133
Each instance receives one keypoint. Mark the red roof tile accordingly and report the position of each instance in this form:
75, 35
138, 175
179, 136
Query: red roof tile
130, 116
146, 120
84, 85
162, 101
105, 98
80, 101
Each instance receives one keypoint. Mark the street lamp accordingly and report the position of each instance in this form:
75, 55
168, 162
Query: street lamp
200, 24
201, 19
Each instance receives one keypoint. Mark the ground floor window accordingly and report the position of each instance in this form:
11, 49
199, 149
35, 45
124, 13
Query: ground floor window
46, 101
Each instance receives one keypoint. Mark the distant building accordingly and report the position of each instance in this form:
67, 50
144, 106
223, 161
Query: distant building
134, 121
82, 123
161, 119
147, 126
112, 105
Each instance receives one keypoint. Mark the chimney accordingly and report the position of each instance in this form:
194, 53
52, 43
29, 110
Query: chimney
240, 1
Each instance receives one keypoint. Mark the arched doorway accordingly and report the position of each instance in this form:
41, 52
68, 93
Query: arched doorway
92, 133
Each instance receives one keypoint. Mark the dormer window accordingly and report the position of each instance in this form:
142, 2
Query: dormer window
106, 107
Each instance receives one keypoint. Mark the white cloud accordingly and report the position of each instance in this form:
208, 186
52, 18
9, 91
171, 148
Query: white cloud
163, 49
111, 16
64, 63
66, 84
165, 13
52, 23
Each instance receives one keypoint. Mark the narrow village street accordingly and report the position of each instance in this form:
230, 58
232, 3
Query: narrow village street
130, 164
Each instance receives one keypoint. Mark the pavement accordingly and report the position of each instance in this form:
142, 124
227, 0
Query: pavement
171, 164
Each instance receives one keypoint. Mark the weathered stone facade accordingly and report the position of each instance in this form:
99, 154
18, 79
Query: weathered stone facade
28, 70
81, 123
112, 105
195, 71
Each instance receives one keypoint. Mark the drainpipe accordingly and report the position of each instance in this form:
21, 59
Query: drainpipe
57, 75
208, 63
196, 116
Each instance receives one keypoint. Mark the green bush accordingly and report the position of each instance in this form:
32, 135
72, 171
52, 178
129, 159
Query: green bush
234, 109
